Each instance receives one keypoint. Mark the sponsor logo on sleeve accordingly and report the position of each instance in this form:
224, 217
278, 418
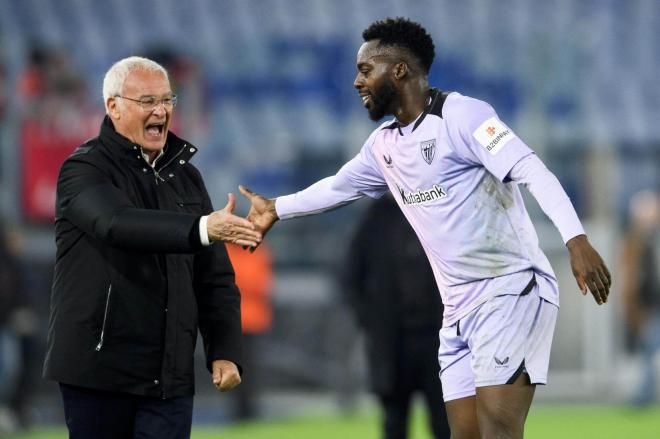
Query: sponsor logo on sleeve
388, 160
493, 135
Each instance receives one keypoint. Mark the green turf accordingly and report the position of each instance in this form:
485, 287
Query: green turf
593, 422
545, 422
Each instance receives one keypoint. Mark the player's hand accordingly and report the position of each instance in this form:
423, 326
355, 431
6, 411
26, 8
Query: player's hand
225, 375
589, 269
262, 211
223, 225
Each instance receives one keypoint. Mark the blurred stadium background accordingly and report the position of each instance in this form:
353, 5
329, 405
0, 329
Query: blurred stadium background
266, 93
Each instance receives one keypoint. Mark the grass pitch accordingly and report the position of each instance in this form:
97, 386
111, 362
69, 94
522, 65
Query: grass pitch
544, 422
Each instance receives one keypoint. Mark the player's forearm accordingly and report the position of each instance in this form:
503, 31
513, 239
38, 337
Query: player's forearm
550, 195
322, 196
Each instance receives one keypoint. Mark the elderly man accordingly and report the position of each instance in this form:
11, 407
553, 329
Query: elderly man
136, 271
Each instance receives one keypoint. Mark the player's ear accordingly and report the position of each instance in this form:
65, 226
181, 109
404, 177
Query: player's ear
400, 70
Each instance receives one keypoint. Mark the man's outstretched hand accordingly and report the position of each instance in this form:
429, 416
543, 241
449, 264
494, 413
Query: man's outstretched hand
262, 211
589, 269
223, 225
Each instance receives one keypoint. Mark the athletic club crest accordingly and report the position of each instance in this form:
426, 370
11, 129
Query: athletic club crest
428, 150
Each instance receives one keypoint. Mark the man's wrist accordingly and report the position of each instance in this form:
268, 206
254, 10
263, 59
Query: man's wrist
576, 240
272, 208
203, 231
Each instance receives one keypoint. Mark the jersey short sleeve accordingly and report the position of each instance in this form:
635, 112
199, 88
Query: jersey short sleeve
479, 136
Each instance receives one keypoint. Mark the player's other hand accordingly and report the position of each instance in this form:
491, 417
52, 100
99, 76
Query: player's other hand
225, 375
223, 225
262, 211
589, 269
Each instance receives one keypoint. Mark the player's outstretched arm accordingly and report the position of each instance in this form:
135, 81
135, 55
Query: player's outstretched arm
262, 211
589, 269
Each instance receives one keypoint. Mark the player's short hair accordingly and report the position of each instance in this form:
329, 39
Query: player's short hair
113, 82
403, 33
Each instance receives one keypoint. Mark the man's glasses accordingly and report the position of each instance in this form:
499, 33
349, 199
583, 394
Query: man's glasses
149, 103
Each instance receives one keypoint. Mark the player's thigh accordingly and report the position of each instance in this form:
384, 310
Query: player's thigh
503, 408
458, 384
462, 416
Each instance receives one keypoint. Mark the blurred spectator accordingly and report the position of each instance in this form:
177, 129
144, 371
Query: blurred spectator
18, 326
57, 115
254, 277
390, 286
51, 89
3, 107
9, 357
3, 90
641, 288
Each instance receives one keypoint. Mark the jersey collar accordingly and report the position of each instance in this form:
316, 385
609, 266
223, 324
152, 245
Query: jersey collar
437, 100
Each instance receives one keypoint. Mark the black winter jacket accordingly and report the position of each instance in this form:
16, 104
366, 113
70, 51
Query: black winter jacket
132, 280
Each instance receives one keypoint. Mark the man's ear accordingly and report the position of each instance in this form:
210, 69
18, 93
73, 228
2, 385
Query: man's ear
113, 108
400, 70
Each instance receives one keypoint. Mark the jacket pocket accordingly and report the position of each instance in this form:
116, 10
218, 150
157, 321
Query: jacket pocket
105, 319
189, 204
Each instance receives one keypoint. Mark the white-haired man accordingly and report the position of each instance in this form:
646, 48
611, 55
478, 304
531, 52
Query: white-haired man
136, 273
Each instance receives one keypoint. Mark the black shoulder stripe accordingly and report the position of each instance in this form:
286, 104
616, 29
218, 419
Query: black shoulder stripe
438, 103
392, 126
438, 98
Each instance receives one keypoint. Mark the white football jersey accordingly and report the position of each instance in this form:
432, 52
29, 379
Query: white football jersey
448, 173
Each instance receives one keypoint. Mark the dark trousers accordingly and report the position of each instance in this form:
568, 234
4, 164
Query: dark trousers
417, 371
93, 414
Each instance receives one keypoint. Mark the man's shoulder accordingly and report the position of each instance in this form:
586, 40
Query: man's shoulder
465, 113
89, 153
387, 125
87, 150
459, 105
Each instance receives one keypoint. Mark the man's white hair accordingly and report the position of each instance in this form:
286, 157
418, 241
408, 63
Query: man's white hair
113, 82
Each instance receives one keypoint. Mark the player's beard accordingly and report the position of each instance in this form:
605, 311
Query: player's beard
382, 100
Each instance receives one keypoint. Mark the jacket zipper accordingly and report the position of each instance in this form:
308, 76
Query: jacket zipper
105, 318
157, 174
158, 177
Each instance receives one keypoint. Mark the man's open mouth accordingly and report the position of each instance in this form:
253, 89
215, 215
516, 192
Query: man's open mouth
366, 98
155, 129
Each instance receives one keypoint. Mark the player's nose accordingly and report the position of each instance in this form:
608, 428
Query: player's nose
357, 83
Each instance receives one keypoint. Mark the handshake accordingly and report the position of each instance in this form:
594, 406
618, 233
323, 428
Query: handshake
223, 225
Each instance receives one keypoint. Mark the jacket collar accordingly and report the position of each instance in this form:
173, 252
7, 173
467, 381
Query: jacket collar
120, 146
